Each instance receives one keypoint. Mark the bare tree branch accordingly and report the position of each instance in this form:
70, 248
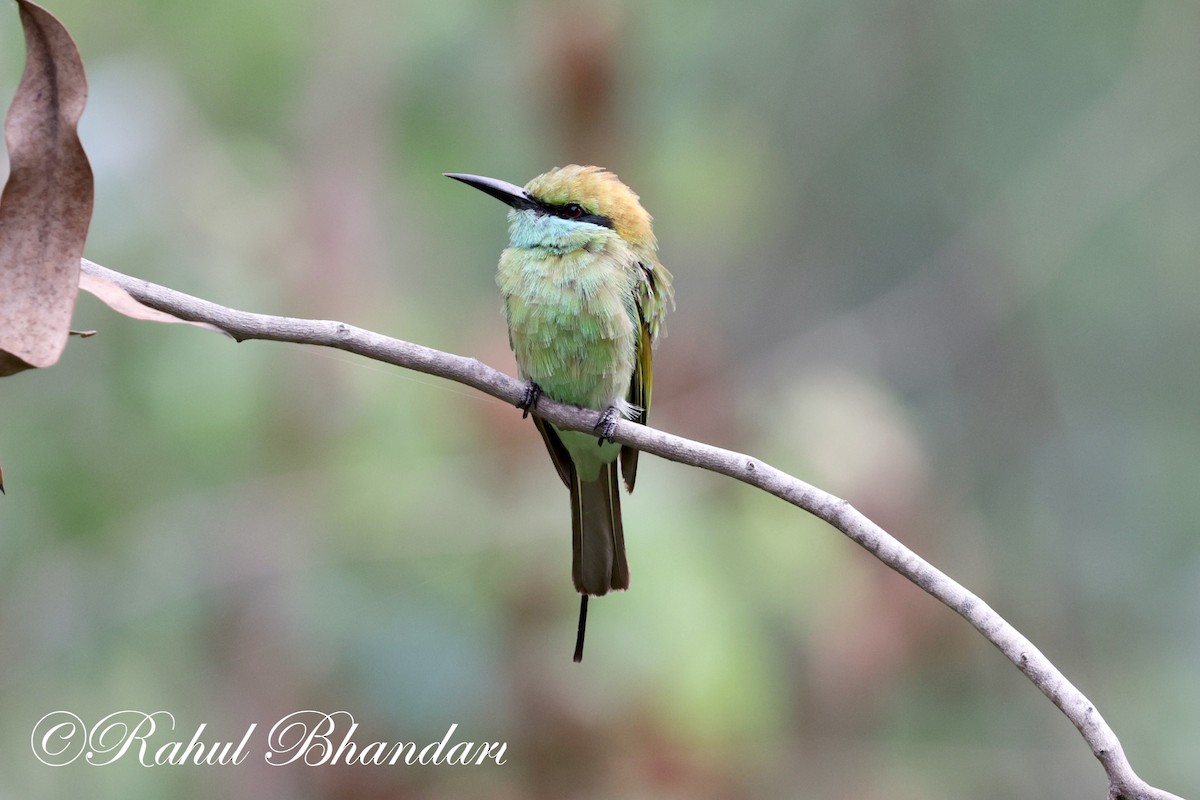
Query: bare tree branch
1124, 784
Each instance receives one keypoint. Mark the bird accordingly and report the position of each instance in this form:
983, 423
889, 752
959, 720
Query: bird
584, 297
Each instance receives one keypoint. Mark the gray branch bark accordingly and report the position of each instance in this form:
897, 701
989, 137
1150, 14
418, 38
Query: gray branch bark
1124, 783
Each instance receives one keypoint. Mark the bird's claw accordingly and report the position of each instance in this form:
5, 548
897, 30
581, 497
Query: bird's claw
529, 400
607, 425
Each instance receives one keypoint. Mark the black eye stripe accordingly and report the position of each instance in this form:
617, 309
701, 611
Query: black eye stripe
573, 211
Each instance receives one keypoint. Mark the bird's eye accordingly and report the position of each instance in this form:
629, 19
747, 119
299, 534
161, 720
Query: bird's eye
573, 210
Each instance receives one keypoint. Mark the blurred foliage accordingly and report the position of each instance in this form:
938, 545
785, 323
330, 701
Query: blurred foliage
938, 258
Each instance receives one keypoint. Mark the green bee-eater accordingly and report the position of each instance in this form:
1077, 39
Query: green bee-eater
585, 297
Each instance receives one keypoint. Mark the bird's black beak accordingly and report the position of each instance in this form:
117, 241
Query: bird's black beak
503, 191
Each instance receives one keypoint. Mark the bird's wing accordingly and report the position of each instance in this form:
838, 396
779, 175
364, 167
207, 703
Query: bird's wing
639, 395
558, 451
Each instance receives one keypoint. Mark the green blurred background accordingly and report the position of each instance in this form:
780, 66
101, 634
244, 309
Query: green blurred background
939, 258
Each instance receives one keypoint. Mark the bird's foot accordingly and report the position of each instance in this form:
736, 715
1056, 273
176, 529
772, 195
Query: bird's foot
529, 400
607, 425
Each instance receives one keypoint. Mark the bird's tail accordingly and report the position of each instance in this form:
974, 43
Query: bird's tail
598, 541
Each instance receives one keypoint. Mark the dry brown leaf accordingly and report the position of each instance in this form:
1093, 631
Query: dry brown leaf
47, 202
123, 302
